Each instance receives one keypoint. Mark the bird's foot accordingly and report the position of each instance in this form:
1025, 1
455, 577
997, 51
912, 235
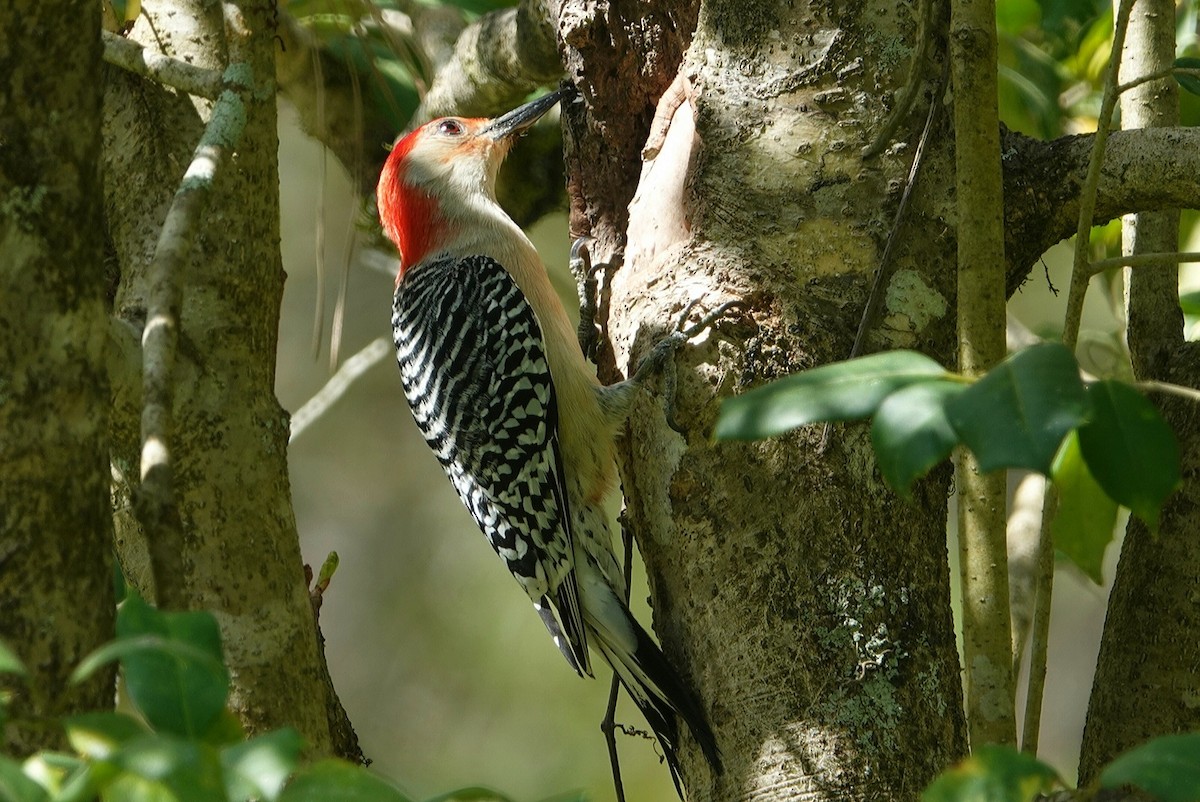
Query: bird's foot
660, 362
585, 272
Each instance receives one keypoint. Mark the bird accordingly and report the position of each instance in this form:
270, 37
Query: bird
501, 391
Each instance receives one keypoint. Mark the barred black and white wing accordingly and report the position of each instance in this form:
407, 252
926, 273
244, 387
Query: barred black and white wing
473, 362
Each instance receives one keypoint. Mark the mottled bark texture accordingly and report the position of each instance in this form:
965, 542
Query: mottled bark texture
241, 553
56, 598
807, 605
1146, 681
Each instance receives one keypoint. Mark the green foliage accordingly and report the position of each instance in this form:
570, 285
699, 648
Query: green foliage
184, 746
10, 663
911, 432
339, 780
1167, 768
993, 774
1130, 449
841, 391
1015, 416
1018, 413
1190, 83
1083, 525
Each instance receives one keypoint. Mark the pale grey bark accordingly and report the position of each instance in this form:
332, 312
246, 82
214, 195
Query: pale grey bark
807, 605
56, 596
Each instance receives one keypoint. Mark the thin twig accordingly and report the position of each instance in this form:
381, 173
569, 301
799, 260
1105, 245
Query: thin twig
1142, 259
1153, 386
1040, 645
350, 371
1156, 76
156, 503
882, 271
133, 57
1080, 272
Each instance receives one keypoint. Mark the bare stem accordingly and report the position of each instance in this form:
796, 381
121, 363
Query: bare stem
987, 633
133, 57
1080, 272
1144, 259
350, 371
156, 503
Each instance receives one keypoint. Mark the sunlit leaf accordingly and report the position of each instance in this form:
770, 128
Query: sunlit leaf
10, 663
1083, 525
99, 735
836, 392
472, 794
260, 767
993, 774
1017, 415
1167, 768
15, 786
911, 434
1130, 449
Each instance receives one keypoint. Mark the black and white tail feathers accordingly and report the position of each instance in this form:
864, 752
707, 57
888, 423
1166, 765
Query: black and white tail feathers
652, 683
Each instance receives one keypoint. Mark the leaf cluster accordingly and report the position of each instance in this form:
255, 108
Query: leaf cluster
179, 742
1102, 442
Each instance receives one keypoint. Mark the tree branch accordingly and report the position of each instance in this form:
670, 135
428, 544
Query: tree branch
156, 505
500, 58
1146, 169
133, 57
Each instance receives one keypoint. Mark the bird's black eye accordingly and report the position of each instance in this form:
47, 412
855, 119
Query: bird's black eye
450, 127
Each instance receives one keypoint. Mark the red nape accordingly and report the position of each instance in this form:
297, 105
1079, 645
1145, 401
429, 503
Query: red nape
408, 214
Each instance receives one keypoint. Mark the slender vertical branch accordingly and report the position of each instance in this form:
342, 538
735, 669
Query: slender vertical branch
156, 504
1081, 273
987, 638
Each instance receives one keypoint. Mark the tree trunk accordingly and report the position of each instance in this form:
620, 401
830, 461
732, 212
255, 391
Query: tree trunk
807, 604
241, 552
56, 592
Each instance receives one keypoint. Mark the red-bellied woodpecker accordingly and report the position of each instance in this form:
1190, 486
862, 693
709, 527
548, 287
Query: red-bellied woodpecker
504, 397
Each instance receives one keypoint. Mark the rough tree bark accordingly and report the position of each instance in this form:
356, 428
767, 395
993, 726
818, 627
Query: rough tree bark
56, 595
807, 604
241, 552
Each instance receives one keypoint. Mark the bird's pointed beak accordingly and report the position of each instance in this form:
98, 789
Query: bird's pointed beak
521, 118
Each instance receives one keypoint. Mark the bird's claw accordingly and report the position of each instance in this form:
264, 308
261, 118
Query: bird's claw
580, 263
659, 360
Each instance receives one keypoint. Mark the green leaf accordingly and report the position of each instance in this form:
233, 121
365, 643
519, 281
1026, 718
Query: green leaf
173, 666
338, 780
1189, 302
189, 770
259, 767
835, 392
1017, 415
1083, 525
100, 735
1190, 83
1130, 449
911, 433
993, 774
1167, 768
10, 663
15, 786
476, 793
